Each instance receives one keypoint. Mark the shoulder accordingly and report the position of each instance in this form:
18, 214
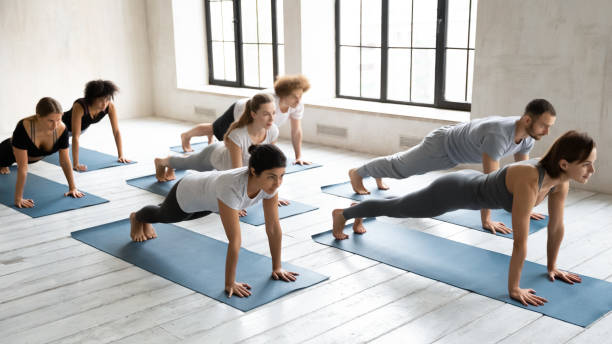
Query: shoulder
523, 174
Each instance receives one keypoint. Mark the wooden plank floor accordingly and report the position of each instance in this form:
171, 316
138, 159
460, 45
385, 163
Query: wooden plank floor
56, 289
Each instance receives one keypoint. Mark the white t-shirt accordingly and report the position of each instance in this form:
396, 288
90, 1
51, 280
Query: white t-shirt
220, 156
281, 117
200, 191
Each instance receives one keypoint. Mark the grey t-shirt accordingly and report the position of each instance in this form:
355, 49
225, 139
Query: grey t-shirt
465, 143
200, 191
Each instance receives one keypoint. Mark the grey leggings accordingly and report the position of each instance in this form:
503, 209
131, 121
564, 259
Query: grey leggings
429, 155
457, 190
199, 161
168, 211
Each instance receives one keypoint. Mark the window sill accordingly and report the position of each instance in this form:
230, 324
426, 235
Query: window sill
367, 107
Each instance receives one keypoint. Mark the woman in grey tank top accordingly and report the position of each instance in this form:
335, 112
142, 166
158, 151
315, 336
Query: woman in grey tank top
517, 188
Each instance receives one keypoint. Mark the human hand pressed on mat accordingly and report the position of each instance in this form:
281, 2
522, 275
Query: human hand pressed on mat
537, 216
239, 289
567, 277
74, 193
527, 297
284, 275
495, 226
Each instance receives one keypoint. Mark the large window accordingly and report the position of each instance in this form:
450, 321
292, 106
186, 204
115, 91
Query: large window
406, 51
245, 42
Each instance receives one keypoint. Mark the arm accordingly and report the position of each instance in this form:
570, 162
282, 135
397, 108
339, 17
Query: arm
296, 140
489, 165
275, 237
77, 115
521, 157
64, 159
112, 116
21, 156
235, 153
229, 219
525, 193
556, 201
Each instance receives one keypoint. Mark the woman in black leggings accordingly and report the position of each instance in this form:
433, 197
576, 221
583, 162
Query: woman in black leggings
517, 188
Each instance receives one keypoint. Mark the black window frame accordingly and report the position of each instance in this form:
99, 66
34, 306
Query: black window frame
237, 46
440, 64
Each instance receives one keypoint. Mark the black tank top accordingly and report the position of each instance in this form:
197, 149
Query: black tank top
493, 190
86, 120
21, 140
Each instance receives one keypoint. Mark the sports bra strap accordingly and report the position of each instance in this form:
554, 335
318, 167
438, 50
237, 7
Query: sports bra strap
33, 131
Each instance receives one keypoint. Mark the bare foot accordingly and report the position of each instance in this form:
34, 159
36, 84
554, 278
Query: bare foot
136, 229
149, 231
169, 175
185, 142
358, 227
160, 170
339, 222
211, 138
5, 170
357, 182
381, 185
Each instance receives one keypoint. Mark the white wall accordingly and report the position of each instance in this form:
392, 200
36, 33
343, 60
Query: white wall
558, 50
53, 47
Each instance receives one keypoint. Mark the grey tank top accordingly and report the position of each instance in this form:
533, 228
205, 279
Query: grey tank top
492, 188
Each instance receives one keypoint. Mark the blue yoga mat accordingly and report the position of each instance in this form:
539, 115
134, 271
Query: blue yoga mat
292, 168
474, 269
94, 160
48, 195
346, 190
196, 262
196, 148
471, 219
151, 184
255, 215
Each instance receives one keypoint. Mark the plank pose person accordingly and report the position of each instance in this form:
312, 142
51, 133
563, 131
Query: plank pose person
226, 192
89, 110
517, 188
485, 141
34, 138
287, 95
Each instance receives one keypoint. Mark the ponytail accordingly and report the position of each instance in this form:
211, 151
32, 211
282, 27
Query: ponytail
252, 105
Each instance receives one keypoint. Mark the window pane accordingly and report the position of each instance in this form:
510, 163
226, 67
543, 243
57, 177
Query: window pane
458, 20
230, 60
216, 27
370, 72
398, 76
248, 13
228, 20
350, 25
473, 23
470, 75
266, 73
399, 23
281, 59
280, 28
423, 75
454, 85
349, 71
371, 22
251, 64
218, 61
264, 20
424, 19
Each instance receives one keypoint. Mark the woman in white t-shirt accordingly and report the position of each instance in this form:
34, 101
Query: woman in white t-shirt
255, 126
197, 195
287, 93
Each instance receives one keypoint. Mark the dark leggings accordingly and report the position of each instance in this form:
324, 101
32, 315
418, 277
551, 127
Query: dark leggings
7, 158
168, 211
221, 124
458, 190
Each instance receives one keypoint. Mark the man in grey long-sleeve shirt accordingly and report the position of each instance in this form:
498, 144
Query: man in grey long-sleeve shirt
484, 140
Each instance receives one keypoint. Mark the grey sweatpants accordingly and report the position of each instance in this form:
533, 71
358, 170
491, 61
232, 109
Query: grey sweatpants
427, 156
457, 190
199, 161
